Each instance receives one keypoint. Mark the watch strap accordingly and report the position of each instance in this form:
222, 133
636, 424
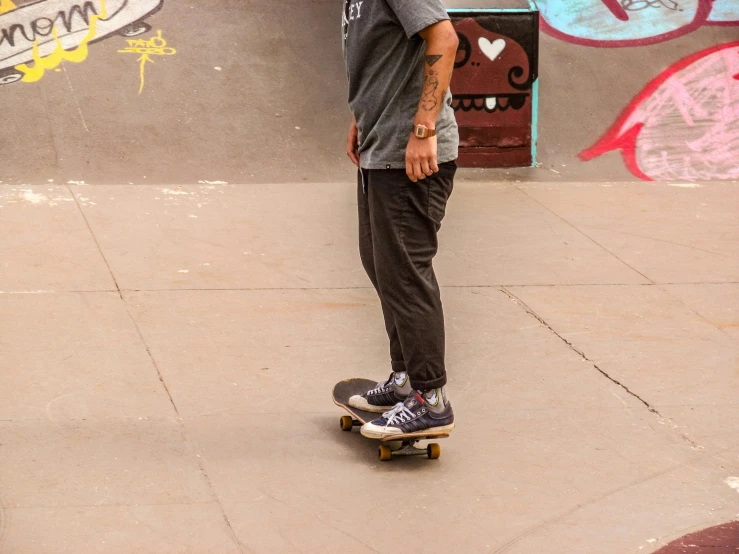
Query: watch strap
421, 131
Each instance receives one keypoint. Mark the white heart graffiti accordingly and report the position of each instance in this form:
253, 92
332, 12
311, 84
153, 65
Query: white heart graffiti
491, 49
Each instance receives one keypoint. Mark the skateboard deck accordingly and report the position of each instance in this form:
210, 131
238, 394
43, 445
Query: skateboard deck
417, 436
343, 390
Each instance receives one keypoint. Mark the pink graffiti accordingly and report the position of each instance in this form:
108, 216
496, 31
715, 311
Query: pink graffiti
616, 9
620, 23
685, 124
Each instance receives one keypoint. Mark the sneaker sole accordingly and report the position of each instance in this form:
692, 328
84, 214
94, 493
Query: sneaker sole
372, 434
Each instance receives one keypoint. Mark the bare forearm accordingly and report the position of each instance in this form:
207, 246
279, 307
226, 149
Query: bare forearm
441, 50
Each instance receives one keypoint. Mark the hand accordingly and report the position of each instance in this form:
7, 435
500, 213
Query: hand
352, 143
420, 158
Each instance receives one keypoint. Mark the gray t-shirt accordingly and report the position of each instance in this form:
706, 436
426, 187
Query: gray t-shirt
384, 59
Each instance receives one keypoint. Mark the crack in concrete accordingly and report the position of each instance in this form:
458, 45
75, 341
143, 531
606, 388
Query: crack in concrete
572, 347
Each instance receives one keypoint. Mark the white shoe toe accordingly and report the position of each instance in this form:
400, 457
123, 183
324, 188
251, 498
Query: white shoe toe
372, 431
360, 403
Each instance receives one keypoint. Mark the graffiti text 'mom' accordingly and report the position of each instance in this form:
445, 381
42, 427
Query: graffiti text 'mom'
44, 26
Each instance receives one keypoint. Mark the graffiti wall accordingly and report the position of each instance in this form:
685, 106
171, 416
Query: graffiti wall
142, 91
156, 91
618, 23
37, 36
684, 124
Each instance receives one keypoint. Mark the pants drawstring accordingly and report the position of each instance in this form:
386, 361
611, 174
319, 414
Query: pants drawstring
364, 181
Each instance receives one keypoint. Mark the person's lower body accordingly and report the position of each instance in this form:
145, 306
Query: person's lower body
398, 225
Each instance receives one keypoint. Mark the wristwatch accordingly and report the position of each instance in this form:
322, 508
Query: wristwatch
423, 132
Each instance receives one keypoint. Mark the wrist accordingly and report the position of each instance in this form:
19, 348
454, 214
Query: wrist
425, 121
422, 132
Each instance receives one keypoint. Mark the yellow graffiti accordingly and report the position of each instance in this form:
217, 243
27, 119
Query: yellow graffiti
33, 73
155, 46
6, 6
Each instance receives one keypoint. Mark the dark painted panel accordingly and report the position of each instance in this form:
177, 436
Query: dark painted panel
496, 66
504, 137
494, 157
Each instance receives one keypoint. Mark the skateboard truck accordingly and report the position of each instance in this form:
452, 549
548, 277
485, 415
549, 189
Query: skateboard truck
407, 443
408, 448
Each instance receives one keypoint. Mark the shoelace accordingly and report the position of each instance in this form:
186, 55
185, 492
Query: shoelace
381, 387
399, 414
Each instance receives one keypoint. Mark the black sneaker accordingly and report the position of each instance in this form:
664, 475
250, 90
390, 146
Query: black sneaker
420, 412
385, 395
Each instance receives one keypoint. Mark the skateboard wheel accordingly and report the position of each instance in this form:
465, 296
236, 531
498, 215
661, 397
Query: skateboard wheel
433, 451
385, 453
346, 423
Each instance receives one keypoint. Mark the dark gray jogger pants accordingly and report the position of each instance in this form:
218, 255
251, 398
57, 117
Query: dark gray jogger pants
398, 223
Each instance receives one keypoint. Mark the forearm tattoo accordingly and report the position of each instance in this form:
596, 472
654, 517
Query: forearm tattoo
431, 83
431, 60
430, 100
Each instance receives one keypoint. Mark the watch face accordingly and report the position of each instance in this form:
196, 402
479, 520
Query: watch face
419, 132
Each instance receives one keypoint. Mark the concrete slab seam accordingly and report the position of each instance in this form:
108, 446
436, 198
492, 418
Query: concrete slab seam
123, 300
583, 233
691, 309
200, 461
269, 289
211, 486
694, 445
95, 239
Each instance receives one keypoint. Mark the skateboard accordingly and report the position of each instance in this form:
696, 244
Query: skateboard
348, 388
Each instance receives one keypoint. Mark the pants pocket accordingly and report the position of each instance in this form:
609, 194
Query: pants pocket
440, 187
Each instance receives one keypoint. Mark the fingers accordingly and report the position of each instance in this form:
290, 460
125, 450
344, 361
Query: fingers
352, 142
409, 171
426, 167
418, 169
352, 148
413, 170
353, 154
420, 159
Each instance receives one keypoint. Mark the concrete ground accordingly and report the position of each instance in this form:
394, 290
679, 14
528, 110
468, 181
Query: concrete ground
167, 356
